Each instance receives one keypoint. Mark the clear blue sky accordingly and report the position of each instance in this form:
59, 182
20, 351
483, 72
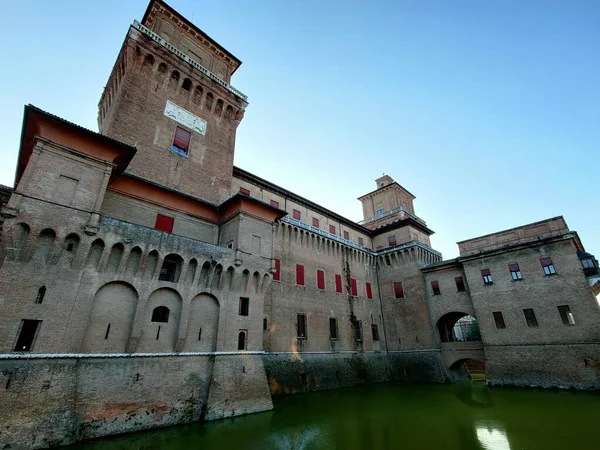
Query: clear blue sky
487, 111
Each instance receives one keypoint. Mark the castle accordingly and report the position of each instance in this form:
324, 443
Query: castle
145, 281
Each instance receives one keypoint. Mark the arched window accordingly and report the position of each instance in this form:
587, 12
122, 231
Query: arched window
242, 340
40, 295
209, 101
162, 68
149, 60
197, 95
187, 84
229, 112
171, 268
160, 314
219, 107
175, 76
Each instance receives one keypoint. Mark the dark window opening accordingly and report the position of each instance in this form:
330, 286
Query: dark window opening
515, 272
566, 315
435, 287
301, 326
70, 247
29, 329
167, 271
242, 340
181, 141
499, 319
375, 332
160, 314
40, 295
244, 306
230, 244
460, 284
547, 266
265, 324
487, 276
530, 318
186, 85
333, 329
398, 289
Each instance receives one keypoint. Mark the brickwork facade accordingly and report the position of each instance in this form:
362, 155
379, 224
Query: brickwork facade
139, 260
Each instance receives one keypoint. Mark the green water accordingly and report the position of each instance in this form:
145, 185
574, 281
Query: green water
395, 416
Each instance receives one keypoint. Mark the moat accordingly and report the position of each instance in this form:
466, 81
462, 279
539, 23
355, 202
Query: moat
393, 415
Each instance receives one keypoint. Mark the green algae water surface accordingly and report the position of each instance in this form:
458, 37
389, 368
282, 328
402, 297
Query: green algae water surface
395, 416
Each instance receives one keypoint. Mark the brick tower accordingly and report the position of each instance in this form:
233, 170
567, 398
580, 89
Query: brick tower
169, 95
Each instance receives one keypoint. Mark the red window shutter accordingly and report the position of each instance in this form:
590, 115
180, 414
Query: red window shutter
244, 191
392, 240
398, 289
181, 139
315, 222
346, 235
320, 279
338, 283
353, 288
513, 267
485, 272
277, 274
369, 293
164, 223
545, 261
361, 242
275, 204
299, 274
332, 229
296, 214
435, 285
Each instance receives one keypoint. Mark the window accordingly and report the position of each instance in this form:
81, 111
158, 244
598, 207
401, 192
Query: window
353, 288
160, 314
315, 222
333, 330
499, 319
547, 266
332, 229
296, 214
487, 276
277, 274
299, 274
530, 318
245, 191
391, 240
320, 280
359, 330
244, 306
566, 315
275, 203
338, 283
361, 241
39, 298
460, 284
170, 268
435, 287
301, 326
242, 340
164, 223
398, 289
369, 291
181, 141
346, 235
375, 332
265, 324
515, 273
187, 84
29, 329
588, 263
380, 212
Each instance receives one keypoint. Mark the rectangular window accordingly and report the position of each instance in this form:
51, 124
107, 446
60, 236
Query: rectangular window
277, 274
296, 214
375, 332
435, 287
181, 141
361, 241
333, 330
315, 222
164, 223
299, 274
566, 315
515, 272
499, 319
487, 276
332, 229
460, 284
265, 324
274, 203
346, 235
398, 289
29, 329
530, 318
547, 266
353, 288
320, 280
244, 306
391, 241
244, 191
301, 326
338, 284
359, 330
368, 289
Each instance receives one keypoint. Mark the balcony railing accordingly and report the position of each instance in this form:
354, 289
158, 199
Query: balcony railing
400, 211
155, 37
324, 233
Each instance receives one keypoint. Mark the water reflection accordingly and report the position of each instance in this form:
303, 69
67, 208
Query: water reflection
491, 437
